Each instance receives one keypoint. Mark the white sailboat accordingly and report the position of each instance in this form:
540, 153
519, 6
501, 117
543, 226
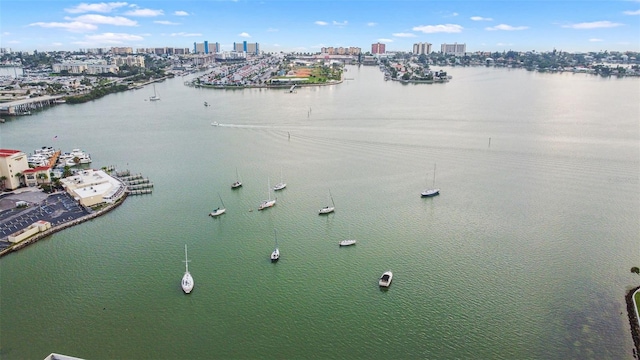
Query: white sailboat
267, 203
275, 255
155, 95
237, 183
281, 185
433, 191
220, 210
347, 242
328, 209
187, 280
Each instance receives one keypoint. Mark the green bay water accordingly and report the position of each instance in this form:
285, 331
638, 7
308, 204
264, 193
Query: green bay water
524, 255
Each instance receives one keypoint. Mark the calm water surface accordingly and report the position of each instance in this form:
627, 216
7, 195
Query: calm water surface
524, 255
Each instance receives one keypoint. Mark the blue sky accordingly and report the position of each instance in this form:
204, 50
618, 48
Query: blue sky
306, 26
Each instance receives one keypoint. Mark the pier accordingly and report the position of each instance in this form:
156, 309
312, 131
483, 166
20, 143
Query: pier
25, 106
136, 184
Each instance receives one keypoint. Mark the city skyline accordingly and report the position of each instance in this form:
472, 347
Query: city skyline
305, 26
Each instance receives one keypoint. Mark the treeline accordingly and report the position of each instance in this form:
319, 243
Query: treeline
96, 93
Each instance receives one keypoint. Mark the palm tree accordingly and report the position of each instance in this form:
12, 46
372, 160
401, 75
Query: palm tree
19, 176
42, 177
66, 172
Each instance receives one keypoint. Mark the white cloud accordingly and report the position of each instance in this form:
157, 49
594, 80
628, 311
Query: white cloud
344, 23
144, 12
372, 24
57, 44
504, 44
629, 12
592, 25
446, 28
276, 45
166, 22
244, 34
106, 20
186, 34
595, 40
74, 26
455, 14
6, 33
181, 13
14, 42
100, 7
321, 23
385, 40
480, 18
113, 38
272, 30
506, 27
404, 35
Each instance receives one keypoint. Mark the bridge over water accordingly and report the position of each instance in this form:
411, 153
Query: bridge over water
24, 106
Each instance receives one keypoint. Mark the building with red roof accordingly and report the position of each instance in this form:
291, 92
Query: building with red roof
13, 163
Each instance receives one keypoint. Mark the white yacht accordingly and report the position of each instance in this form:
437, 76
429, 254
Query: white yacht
347, 242
237, 183
75, 157
187, 280
385, 279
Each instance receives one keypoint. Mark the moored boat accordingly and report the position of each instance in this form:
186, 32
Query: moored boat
347, 242
385, 279
187, 280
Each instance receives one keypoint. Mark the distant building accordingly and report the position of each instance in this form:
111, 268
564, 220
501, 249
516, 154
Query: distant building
378, 48
352, 50
121, 50
453, 49
129, 60
12, 162
422, 48
90, 187
249, 48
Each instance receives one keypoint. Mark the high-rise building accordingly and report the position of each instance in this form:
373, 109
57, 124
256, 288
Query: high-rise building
206, 48
378, 48
453, 49
249, 48
422, 48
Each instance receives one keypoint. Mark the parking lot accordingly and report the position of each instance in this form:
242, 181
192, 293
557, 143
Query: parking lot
57, 209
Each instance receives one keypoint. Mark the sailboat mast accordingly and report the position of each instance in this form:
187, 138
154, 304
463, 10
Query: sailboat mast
221, 200
186, 258
276, 237
434, 174
331, 196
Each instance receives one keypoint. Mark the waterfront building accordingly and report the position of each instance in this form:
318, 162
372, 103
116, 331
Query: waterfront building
90, 187
78, 67
453, 49
378, 48
422, 48
37, 175
13, 163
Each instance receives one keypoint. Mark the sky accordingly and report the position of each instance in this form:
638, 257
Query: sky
309, 25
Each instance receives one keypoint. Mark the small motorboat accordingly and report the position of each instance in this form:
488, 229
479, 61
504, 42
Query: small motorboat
347, 242
385, 279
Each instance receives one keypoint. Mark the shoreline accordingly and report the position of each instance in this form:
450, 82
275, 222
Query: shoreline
634, 320
55, 229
